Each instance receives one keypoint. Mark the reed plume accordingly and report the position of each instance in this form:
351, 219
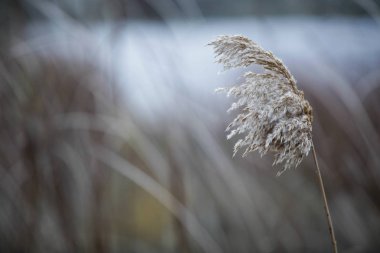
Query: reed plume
274, 115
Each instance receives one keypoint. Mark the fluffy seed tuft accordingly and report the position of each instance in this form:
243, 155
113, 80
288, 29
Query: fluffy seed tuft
274, 115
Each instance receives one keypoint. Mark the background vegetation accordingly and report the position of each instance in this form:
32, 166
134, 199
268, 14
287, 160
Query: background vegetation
112, 139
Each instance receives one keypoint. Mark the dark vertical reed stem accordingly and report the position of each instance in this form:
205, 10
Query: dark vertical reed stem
325, 204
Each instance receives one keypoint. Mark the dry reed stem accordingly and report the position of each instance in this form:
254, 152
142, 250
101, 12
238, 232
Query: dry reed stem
274, 115
325, 204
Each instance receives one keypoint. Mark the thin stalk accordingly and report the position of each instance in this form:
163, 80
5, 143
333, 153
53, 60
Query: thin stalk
326, 206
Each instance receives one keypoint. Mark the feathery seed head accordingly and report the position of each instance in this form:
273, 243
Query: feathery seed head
274, 116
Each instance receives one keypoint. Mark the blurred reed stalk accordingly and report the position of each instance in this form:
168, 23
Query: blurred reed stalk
178, 190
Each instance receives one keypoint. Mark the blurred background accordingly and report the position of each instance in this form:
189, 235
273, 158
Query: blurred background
113, 140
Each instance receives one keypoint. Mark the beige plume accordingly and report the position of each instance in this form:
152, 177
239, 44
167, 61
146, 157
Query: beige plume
274, 115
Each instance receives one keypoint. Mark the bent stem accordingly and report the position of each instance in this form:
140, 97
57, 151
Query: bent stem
326, 206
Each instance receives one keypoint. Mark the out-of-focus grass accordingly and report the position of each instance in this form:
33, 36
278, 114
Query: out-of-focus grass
86, 168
